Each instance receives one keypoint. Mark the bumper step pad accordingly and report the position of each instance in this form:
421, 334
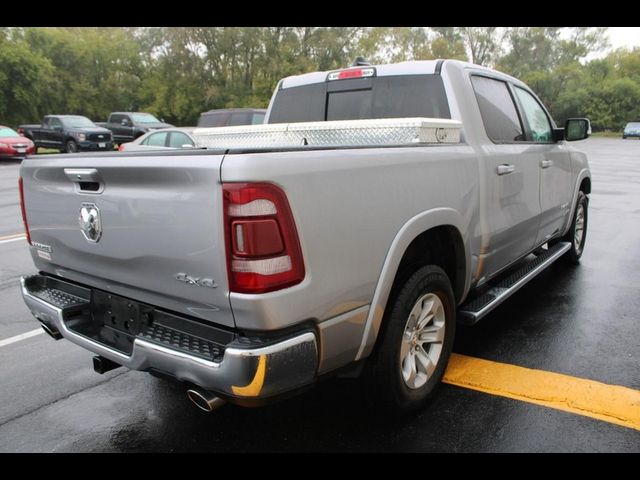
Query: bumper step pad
178, 340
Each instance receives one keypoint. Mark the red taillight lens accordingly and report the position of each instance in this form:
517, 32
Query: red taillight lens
256, 238
24, 213
355, 73
352, 73
263, 250
121, 147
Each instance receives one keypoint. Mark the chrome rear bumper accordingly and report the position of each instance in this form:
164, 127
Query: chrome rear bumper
245, 371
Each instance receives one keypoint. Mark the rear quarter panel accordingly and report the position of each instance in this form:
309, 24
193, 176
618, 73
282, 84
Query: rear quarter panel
349, 206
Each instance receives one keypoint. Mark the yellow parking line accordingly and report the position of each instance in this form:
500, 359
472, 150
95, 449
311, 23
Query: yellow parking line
611, 403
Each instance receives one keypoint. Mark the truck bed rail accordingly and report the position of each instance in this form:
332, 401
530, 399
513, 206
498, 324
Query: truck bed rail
386, 131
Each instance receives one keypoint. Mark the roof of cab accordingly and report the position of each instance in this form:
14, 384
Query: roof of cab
413, 67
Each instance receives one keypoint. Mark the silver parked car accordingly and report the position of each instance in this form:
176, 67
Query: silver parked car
631, 129
165, 138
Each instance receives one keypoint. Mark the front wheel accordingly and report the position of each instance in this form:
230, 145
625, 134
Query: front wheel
72, 146
577, 234
415, 347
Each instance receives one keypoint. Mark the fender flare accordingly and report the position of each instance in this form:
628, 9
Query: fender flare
584, 173
415, 226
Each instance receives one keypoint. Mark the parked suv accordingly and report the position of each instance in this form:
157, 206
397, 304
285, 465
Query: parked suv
231, 116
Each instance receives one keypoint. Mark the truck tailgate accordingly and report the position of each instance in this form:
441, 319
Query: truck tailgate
161, 238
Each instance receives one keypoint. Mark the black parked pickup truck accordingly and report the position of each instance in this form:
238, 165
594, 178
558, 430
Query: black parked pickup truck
68, 133
127, 126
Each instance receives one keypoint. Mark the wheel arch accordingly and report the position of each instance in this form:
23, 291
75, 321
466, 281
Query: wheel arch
443, 230
583, 184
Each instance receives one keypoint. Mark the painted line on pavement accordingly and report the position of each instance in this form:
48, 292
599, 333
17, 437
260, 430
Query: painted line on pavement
611, 403
22, 336
12, 238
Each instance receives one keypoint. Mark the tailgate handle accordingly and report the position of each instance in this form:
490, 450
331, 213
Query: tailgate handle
86, 180
82, 174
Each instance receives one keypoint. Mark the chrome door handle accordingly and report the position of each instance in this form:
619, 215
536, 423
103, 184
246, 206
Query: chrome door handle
505, 169
546, 163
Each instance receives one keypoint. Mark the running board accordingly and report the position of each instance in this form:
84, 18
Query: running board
476, 308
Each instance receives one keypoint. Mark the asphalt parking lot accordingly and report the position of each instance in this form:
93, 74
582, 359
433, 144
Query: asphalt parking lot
580, 322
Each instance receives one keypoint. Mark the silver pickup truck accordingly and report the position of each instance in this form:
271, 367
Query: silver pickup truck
378, 206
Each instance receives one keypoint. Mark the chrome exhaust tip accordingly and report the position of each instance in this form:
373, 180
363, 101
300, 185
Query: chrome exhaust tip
52, 332
205, 400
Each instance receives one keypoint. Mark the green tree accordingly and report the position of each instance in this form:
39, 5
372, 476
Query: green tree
24, 82
483, 44
449, 43
95, 70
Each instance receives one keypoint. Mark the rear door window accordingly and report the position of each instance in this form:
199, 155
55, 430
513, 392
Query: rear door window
178, 139
498, 110
258, 118
241, 118
213, 119
157, 139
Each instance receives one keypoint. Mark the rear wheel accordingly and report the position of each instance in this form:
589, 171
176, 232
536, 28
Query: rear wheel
415, 347
72, 146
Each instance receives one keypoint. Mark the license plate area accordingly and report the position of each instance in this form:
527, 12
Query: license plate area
116, 322
119, 313
102, 145
112, 320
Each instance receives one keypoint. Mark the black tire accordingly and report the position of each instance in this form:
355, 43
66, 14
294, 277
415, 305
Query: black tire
388, 387
72, 146
577, 247
624, 137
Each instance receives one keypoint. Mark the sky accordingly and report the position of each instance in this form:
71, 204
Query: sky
624, 37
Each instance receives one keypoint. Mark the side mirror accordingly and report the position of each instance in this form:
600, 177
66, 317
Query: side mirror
577, 129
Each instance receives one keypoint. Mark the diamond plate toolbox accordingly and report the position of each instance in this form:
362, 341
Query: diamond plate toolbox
386, 131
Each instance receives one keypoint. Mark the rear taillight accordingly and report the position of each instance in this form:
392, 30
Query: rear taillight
263, 250
121, 147
22, 209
